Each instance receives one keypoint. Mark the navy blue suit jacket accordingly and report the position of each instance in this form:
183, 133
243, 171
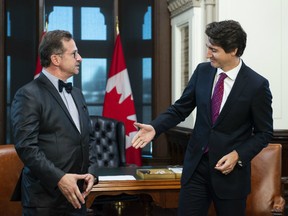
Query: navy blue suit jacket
245, 124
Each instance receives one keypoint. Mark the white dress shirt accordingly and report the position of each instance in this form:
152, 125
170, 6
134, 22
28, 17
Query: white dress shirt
67, 99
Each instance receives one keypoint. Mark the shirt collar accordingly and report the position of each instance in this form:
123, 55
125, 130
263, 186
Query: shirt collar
53, 79
232, 74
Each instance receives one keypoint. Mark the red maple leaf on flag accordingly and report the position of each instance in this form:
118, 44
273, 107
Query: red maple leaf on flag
121, 111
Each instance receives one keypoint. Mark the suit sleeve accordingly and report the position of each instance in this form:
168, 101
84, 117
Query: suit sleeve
92, 155
178, 111
262, 121
26, 114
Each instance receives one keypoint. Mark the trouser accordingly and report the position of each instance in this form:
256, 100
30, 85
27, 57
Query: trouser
61, 211
197, 195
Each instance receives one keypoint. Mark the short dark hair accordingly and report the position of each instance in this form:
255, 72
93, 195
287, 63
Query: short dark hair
52, 44
227, 34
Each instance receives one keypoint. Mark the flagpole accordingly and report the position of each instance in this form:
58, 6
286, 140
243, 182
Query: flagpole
117, 25
46, 23
46, 26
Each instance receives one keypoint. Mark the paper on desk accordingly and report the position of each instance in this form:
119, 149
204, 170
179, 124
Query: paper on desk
116, 177
176, 169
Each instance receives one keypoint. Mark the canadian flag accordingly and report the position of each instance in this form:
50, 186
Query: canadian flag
119, 103
38, 68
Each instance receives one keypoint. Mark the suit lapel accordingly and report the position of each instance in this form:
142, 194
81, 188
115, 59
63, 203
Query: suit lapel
81, 107
236, 90
53, 91
209, 94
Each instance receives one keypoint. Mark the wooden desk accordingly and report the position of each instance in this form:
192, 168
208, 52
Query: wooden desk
164, 192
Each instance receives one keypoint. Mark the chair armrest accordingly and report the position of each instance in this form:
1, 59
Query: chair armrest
279, 201
278, 206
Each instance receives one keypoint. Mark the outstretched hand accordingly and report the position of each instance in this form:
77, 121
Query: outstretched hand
145, 134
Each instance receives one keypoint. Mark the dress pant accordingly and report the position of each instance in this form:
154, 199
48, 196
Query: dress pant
69, 210
197, 195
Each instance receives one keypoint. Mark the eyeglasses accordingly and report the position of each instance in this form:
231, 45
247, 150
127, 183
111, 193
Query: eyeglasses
74, 54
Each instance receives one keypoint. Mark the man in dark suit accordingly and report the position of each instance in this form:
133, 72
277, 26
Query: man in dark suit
223, 143
53, 134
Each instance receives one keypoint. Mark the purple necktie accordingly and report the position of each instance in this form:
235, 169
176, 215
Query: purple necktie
217, 97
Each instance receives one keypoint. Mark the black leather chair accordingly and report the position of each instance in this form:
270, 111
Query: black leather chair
109, 141
109, 149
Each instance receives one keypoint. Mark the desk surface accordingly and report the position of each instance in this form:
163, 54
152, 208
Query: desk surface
164, 192
138, 184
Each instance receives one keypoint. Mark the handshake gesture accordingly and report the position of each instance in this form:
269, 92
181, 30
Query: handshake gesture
145, 134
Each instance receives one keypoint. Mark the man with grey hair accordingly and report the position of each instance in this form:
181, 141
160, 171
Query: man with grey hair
53, 134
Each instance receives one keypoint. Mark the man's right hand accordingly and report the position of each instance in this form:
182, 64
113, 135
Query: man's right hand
145, 134
69, 188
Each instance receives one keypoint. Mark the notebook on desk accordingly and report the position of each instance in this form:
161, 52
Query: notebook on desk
156, 173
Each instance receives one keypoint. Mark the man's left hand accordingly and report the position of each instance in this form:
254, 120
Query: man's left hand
88, 184
227, 163
69, 188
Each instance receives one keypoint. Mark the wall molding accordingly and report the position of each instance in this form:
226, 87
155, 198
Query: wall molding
177, 7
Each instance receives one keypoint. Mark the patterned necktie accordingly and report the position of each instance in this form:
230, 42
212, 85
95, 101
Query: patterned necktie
67, 86
217, 97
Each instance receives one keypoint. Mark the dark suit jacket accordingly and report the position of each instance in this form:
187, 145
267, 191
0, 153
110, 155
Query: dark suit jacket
245, 124
48, 142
